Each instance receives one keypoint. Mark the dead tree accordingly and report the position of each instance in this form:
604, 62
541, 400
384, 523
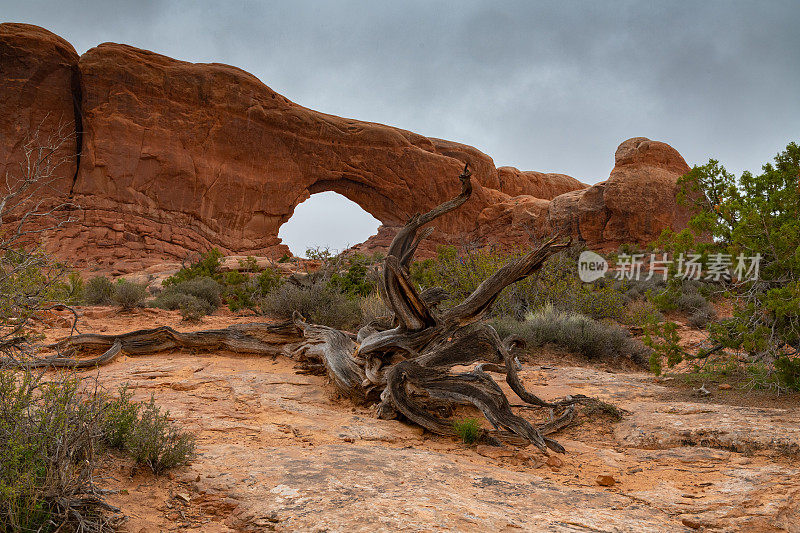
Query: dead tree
405, 368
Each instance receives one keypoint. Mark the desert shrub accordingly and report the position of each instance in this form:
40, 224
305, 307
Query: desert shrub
207, 266
176, 300
744, 216
99, 291
643, 288
317, 302
267, 280
592, 407
143, 431
663, 339
557, 282
685, 295
577, 333
193, 310
690, 301
195, 297
243, 292
641, 312
119, 416
468, 429
354, 281
373, 307
156, 442
234, 277
129, 295
599, 300
249, 264
70, 292
48, 437
699, 318
202, 288
787, 372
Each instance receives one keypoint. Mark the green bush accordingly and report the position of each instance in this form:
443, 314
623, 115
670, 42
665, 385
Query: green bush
207, 266
71, 292
468, 430
119, 416
49, 433
748, 215
193, 310
129, 295
238, 290
195, 298
787, 370
317, 302
557, 282
243, 292
641, 312
354, 282
154, 441
175, 300
99, 291
574, 332
144, 432
663, 339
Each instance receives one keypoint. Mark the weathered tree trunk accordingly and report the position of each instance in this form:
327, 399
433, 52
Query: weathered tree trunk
404, 367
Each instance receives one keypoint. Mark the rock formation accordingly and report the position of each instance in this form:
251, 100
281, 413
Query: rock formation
634, 205
39, 91
172, 158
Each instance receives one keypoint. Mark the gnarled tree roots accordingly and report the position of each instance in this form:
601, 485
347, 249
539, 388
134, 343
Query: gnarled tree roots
404, 366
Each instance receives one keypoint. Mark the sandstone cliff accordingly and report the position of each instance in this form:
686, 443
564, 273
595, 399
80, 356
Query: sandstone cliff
634, 205
172, 158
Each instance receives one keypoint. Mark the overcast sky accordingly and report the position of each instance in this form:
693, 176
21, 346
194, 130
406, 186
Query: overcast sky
550, 86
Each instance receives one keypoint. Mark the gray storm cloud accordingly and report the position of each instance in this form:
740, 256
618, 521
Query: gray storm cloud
551, 86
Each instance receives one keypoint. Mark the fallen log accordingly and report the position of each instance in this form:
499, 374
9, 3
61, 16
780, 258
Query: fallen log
401, 366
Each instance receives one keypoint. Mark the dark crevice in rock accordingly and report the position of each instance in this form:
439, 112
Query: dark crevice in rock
77, 104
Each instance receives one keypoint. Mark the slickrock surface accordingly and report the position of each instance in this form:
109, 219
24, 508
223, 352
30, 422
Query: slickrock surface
280, 452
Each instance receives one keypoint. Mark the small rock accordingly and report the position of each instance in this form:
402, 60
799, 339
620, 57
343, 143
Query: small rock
634, 470
692, 523
493, 452
183, 497
605, 480
554, 461
725, 386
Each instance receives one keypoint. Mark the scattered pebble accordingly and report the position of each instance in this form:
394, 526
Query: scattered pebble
692, 523
605, 480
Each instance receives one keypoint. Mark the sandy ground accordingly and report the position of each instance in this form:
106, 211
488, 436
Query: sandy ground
279, 451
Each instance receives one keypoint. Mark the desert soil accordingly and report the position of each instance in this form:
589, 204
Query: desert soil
279, 451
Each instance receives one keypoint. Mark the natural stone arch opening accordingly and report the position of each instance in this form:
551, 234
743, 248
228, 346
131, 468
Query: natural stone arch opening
328, 220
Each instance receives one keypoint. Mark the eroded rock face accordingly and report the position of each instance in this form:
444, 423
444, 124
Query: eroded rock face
195, 156
174, 158
634, 205
515, 182
38, 89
